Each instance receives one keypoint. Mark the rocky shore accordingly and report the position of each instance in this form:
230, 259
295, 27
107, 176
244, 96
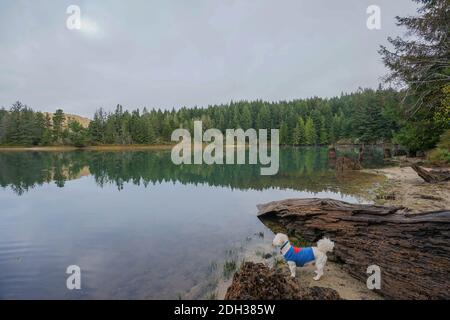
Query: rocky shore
406, 233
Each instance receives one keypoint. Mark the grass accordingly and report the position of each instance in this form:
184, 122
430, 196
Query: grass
212, 267
211, 296
229, 267
260, 234
277, 263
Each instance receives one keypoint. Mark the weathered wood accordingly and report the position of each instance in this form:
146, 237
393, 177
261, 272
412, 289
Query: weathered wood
432, 176
413, 251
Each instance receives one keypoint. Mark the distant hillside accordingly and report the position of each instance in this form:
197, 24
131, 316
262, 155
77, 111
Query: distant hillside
71, 117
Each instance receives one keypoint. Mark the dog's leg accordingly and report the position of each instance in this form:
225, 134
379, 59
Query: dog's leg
292, 267
320, 265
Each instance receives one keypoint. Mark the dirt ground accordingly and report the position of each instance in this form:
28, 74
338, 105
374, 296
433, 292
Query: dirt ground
403, 187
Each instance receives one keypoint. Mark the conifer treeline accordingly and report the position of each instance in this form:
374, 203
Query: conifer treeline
364, 116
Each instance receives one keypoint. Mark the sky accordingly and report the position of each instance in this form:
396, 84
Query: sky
174, 53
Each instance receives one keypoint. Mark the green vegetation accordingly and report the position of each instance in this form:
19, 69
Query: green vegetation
229, 267
312, 121
303, 169
414, 116
441, 154
420, 62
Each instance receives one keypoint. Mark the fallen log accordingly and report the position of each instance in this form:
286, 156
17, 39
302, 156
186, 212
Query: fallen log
432, 176
413, 251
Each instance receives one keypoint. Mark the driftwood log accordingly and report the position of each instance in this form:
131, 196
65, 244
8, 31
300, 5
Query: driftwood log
412, 251
432, 176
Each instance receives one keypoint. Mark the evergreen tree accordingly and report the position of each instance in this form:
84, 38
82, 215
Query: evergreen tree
299, 133
421, 62
58, 121
284, 134
310, 132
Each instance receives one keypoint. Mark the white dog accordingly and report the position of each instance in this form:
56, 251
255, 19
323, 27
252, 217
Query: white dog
301, 256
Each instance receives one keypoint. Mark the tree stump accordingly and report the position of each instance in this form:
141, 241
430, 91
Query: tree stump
413, 251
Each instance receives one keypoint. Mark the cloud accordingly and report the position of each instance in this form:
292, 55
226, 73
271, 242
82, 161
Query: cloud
172, 53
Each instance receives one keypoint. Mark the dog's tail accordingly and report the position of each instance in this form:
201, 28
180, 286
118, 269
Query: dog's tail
325, 245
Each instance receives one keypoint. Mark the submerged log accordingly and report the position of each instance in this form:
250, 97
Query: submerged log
432, 176
345, 163
413, 251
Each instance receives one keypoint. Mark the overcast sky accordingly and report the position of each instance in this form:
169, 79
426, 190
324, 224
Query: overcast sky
173, 53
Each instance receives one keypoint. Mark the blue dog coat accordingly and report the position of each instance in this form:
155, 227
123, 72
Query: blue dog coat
300, 256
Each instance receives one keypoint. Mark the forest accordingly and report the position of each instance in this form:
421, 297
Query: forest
413, 110
365, 116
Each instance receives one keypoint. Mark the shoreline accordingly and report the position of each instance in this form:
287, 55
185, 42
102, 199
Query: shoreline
403, 187
89, 148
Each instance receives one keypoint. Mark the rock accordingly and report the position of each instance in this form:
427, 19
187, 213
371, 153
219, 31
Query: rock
255, 281
413, 251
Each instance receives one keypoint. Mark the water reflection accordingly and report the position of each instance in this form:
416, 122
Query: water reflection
302, 169
138, 226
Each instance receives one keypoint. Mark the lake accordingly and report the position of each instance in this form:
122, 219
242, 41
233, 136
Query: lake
138, 226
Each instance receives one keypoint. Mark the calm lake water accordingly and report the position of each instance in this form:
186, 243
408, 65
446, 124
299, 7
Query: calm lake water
138, 226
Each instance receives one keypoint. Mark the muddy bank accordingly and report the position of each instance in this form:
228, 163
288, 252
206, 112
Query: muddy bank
403, 187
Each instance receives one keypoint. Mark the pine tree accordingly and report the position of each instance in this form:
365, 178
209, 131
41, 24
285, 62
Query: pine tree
323, 135
299, 132
263, 121
246, 118
284, 134
420, 60
58, 120
310, 132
